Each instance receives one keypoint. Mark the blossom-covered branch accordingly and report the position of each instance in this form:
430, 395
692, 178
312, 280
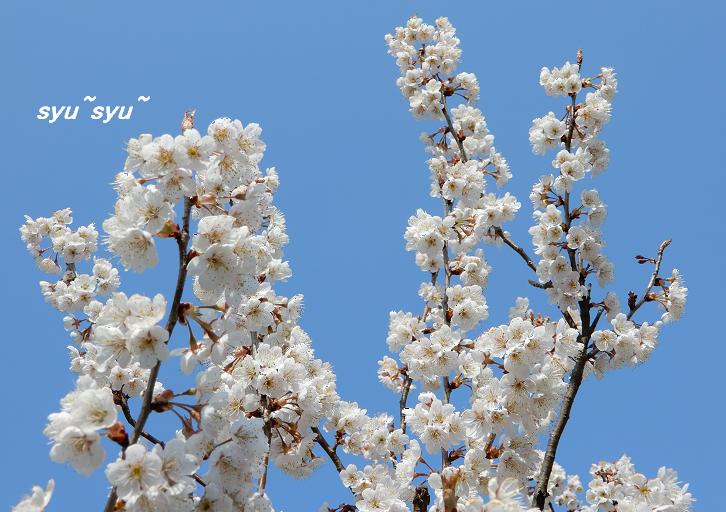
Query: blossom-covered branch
256, 390
485, 393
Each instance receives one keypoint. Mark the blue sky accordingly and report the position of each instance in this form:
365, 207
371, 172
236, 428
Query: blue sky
316, 76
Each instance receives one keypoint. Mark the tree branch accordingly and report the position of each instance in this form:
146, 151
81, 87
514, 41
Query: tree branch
522, 253
445, 306
408, 381
328, 449
130, 419
653, 277
554, 440
149, 437
450, 126
578, 370
182, 242
447, 271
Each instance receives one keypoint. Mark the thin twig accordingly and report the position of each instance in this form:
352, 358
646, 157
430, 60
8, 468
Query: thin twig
130, 419
408, 381
450, 125
522, 253
653, 277
320, 439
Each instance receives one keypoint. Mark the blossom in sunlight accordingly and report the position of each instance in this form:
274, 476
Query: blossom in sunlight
481, 402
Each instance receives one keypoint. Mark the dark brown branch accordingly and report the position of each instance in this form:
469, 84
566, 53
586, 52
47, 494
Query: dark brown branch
450, 126
578, 371
130, 419
573, 386
182, 242
522, 253
537, 284
490, 441
653, 277
421, 498
447, 320
566, 205
571, 131
593, 326
447, 270
320, 439
149, 437
111, 502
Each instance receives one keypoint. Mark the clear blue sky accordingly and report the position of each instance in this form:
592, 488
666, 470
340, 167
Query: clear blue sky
319, 81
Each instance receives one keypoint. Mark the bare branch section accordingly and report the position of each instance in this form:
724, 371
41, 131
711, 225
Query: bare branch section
131, 421
522, 253
644, 298
330, 451
450, 126
320, 439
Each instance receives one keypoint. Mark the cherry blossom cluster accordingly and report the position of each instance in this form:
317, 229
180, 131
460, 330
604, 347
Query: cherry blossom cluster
618, 486
520, 374
582, 153
475, 397
565, 490
73, 291
257, 389
567, 236
75, 429
72, 246
435, 350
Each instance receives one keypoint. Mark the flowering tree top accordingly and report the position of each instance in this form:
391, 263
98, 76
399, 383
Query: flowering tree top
474, 398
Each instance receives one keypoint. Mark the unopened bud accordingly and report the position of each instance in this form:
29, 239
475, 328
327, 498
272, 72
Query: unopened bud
632, 298
161, 401
169, 230
188, 121
117, 434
